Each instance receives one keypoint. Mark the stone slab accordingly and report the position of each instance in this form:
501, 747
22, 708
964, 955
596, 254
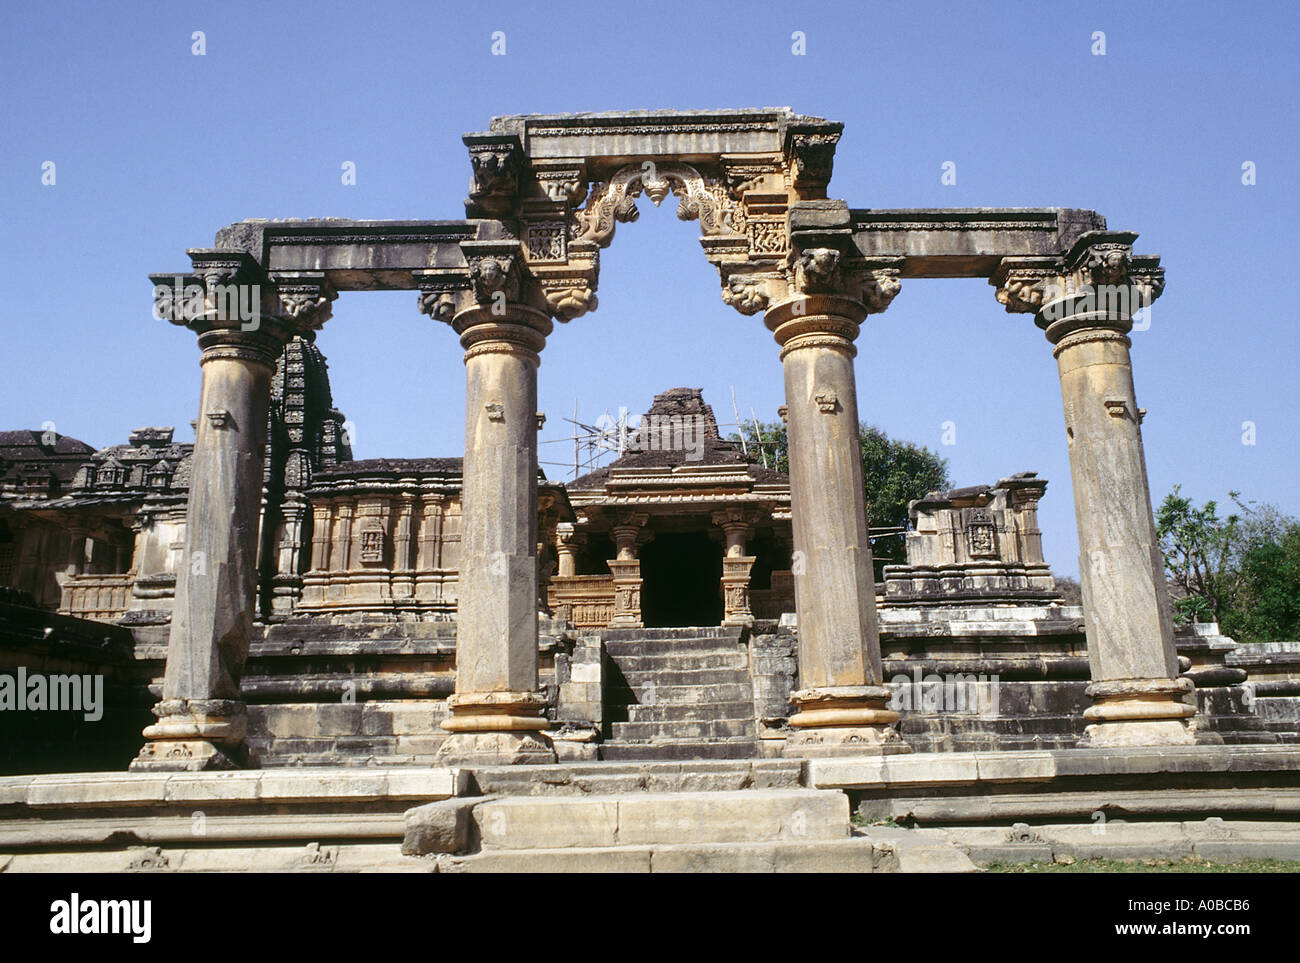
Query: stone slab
969, 768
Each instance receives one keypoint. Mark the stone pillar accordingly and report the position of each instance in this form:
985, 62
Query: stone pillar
201, 717
430, 539
1086, 311
735, 524
497, 708
341, 558
567, 541
322, 515
242, 327
403, 578
626, 569
76, 564
286, 582
842, 703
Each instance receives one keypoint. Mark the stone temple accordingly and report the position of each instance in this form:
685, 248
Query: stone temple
680, 660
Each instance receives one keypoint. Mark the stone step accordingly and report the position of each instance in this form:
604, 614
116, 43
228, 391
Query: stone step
679, 751
654, 693
711, 729
636, 664
856, 854
678, 677
729, 632
188, 857
698, 712
607, 778
650, 819
670, 647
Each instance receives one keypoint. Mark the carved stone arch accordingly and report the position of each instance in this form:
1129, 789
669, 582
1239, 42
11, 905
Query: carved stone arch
614, 200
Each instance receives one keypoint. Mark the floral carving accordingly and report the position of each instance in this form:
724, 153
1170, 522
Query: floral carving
615, 200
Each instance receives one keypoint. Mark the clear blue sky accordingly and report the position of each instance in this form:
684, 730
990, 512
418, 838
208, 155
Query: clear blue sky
157, 148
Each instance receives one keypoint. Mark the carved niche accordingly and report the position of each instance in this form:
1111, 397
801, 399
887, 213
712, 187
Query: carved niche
981, 533
372, 546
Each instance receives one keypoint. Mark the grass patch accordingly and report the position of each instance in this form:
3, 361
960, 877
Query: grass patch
1189, 864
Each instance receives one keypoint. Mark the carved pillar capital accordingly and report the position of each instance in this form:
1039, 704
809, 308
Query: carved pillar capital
235, 308
810, 153
306, 297
737, 524
496, 161
816, 321
1097, 285
628, 531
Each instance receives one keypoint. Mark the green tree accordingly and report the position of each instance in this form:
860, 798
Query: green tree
894, 473
1242, 571
1197, 546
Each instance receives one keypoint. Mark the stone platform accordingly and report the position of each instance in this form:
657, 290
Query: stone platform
921, 812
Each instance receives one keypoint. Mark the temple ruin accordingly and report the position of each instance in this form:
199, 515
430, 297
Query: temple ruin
276, 603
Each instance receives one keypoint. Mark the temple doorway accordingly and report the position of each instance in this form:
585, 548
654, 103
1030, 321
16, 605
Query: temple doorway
681, 573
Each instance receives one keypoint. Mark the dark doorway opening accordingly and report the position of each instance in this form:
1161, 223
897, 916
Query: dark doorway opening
681, 576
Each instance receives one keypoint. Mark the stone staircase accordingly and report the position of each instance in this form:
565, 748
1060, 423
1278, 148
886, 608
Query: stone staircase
682, 693
750, 830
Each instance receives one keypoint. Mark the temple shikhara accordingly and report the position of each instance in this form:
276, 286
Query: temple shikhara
482, 642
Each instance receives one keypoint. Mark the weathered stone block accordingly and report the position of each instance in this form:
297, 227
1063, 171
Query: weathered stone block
446, 826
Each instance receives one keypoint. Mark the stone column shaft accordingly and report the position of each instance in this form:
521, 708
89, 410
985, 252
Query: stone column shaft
76, 551
320, 537
201, 718
625, 567
841, 701
1084, 302
1135, 686
566, 549
496, 711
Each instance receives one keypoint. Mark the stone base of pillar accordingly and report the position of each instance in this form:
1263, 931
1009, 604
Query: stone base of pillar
495, 749
627, 593
286, 590
1139, 712
843, 721
495, 729
735, 590
195, 735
